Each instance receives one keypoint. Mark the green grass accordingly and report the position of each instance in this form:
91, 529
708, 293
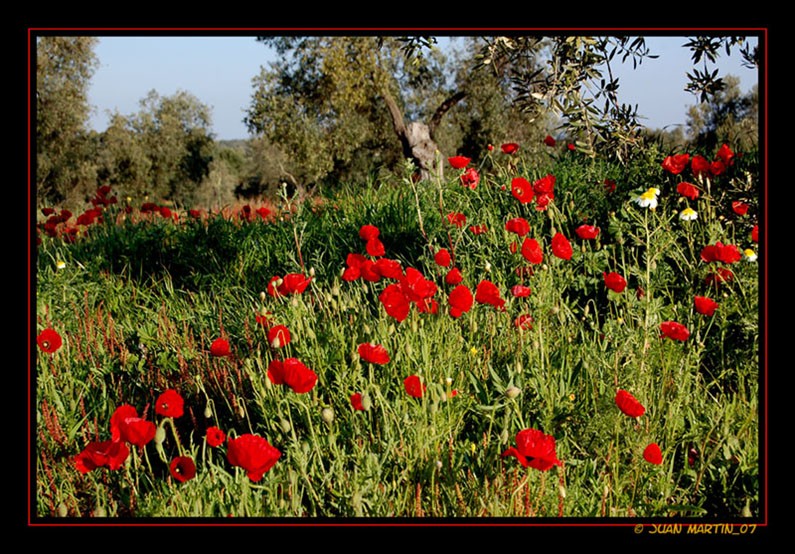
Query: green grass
140, 300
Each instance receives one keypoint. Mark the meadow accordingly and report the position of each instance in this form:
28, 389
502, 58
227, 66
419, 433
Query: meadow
568, 339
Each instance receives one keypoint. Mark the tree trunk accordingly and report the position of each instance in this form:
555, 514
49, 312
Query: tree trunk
416, 138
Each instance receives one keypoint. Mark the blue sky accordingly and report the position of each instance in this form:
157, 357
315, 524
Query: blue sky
218, 70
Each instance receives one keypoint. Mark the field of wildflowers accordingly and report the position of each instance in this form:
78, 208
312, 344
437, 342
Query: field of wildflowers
576, 339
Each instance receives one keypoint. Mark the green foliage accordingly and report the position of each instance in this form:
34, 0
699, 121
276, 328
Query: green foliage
138, 301
164, 151
64, 66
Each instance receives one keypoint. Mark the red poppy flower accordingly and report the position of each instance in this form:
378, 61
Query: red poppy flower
368, 232
294, 283
110, 454
389, 269
169, 404
676, 163
368, 271
717, 167
704, 305
278, 336
531, 251
688, 190
488, 293
414, 386
415, 286
755, 233
395, 302
520, 291
614, 281
587, 232
571, 147
373, 353
518, 225
350, 273
293, 373
461, 300
610, 185
252, 453
534, 449
561, 247
699, 165
674, 330
214, 436
719, 252
263, 212
628, 404
49, 340
510, 147
478, 229
220, 347
456, 218
125, 425
470, 178
263, 319
356, 401
545, 185
182, 469
453, 277
375, 247
652, 454
521, 190
47, 211
442, 258
725, 154
524, 321
720, 275
740, 208
459, 162
427, 306
549, 141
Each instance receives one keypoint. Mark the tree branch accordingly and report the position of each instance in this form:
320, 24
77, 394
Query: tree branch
443, 108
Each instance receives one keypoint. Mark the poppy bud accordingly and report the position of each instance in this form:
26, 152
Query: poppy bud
562, 491
366, 402
519, 366
488, 266
438, 464
294, 302
327, 414
160, 435
512, 391
262, 296
285, 425
366, 329
311, 271
276, 343
99, 511
63, 511
208, 412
